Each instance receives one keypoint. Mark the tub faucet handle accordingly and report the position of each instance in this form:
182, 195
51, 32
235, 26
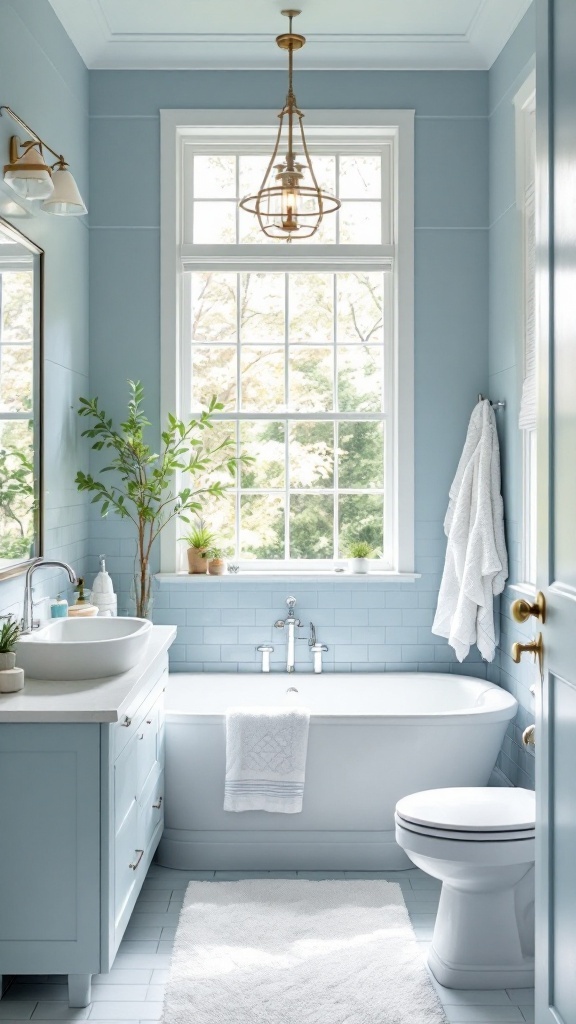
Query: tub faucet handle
265, 650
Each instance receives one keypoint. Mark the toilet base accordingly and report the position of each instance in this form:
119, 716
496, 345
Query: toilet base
485, 977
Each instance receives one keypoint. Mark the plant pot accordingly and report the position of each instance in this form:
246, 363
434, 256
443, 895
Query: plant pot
358, 565
11, 680
196, 562
217, 566
7, 660
141, 596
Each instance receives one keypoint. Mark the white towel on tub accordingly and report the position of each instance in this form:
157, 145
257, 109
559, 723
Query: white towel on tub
266, 751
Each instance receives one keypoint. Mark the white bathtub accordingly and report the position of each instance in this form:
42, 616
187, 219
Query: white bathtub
373, 739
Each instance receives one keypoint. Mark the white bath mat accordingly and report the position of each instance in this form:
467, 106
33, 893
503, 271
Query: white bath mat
277, 951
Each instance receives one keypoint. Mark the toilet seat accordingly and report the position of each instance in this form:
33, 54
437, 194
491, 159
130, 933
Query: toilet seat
480, 814
464, 836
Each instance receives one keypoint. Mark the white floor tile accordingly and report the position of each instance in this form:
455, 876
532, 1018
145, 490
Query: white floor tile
119, 993
155, 993
141, 960
138, 946
166, 946
15, 1010
134, 932
471, 997
151, 907
126, 1011
483, 1014
120, 977
320, 876
521, 996
159, 977
59, 1011
154, 895
528, 1013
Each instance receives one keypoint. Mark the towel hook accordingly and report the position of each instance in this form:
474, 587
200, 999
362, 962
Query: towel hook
495, 405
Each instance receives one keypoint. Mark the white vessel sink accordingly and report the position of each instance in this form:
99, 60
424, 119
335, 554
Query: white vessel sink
83, 648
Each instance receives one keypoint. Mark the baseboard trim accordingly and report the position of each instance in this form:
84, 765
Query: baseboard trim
266, 851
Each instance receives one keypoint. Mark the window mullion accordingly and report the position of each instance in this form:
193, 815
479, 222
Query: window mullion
286, 423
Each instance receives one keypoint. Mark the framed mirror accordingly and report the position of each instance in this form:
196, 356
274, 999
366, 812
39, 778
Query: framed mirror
20, 401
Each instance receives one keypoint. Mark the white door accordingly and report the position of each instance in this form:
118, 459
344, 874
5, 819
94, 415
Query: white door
556, 710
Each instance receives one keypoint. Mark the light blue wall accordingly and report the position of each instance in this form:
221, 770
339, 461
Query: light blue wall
369, 625
505, 365
44, 80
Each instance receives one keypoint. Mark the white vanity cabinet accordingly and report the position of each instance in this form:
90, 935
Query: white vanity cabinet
81, 815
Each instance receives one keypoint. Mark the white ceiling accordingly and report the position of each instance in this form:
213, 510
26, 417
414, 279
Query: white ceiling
229, 34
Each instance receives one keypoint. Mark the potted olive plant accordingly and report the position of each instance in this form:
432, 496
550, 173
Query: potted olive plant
199, 542
143, 486
359, 551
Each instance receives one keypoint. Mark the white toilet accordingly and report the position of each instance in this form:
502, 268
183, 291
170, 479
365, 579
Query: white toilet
480, 843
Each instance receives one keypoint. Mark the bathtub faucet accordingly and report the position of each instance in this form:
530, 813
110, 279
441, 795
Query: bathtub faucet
290, 623
317, 649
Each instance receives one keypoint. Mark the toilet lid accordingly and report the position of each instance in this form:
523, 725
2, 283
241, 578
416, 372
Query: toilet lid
459, 835
470, 809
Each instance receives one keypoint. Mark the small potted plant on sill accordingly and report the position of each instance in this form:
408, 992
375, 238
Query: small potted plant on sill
11, 678
359, 551
217, 562
200, 541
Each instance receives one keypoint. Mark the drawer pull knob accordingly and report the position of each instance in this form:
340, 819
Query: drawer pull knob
137, 861
148, 721
159, 804
141, 736
127, 721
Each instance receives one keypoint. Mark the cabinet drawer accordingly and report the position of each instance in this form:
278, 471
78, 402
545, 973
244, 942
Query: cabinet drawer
146, 747
151, 808
128, 726
127, 859
125, 783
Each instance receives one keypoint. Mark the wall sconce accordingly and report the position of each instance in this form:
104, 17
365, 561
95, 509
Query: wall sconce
28, 174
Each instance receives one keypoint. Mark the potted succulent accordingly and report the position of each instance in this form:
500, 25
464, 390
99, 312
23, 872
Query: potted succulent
359, 551
11, 678
199, 540
217, 562
9, 636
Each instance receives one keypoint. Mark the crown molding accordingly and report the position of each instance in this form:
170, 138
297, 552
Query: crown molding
474, 48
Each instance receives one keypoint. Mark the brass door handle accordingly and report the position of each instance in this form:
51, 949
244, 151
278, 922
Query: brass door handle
529, 736
522, 610
535, 647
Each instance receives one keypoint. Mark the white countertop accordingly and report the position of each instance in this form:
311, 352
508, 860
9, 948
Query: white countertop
88, 700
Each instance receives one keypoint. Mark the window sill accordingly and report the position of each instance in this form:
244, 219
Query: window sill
290, 575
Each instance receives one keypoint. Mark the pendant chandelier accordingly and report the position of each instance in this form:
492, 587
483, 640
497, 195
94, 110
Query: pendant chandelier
290, 203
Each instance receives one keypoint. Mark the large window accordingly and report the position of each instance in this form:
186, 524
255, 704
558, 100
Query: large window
308, 345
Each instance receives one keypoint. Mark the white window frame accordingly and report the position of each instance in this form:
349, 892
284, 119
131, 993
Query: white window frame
525, 107
357, 128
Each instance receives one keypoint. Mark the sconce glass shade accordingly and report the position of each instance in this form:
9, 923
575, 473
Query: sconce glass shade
65, 200
29, 176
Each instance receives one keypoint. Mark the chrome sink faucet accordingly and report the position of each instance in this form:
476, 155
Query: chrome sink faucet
290, 623
28, 622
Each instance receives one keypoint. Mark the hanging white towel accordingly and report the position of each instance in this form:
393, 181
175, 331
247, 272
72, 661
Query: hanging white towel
266, 759
476, 566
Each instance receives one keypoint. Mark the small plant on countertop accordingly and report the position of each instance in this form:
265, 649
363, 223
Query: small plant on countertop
143, 488
9, 636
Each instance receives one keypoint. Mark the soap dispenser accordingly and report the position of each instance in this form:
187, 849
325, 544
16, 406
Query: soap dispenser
103, 591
